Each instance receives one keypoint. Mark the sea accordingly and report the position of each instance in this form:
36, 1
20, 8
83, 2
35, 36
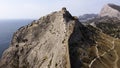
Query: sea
7, 28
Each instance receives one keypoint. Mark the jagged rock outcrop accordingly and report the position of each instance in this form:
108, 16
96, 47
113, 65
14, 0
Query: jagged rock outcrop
59, 40
41, 44
110, 10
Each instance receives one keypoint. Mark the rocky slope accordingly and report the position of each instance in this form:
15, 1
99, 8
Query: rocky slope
59, 40
110, 10
108, 25
41, 44
90, 48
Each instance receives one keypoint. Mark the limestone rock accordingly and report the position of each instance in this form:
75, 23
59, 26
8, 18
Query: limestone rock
110, 10
41, 44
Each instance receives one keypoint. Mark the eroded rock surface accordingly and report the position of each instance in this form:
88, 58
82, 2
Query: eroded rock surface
41, 44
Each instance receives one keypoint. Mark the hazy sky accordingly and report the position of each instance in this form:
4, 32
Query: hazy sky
28, 9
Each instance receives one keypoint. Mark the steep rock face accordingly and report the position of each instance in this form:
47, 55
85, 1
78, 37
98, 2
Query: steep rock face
41, 44
90, 48
110, 10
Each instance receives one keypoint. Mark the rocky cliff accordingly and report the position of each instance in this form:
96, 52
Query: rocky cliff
110, 10
41, 44
59, 40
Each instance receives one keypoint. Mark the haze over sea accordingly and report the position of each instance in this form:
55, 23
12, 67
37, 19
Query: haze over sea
7, 28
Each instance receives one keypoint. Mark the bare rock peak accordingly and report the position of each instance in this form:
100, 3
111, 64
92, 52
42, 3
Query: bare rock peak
41, 44
64, 9
110, 10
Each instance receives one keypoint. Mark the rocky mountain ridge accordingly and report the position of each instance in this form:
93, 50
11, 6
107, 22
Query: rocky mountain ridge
86, 17
59, 40
40, 44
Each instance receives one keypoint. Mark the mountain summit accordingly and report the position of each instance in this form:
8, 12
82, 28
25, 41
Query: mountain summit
41, 44
59, 40
110, 10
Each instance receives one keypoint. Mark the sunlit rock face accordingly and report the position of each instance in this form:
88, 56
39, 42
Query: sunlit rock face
110, 10
41, 44
59, 40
